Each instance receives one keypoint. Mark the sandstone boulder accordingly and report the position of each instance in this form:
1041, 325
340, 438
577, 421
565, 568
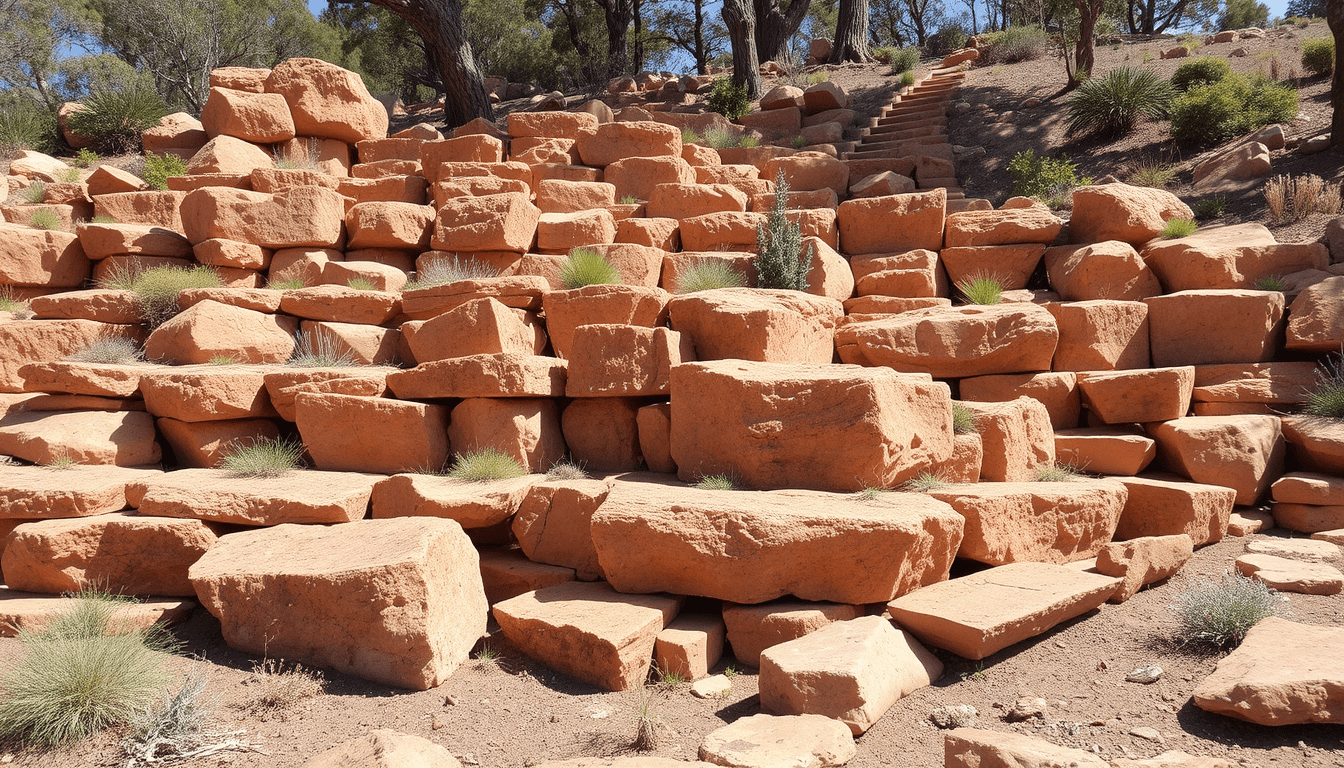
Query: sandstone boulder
1124, 397
1283, 673
1292, 575
764, 741
80, 491
1235, 256
348, 433
210, 329
1164, 506
294, 217
751, 324
526, 429
975, 748
954, 341
1121, 212
385, 749
554, 524
261, 118
503, 375
1244, 453
1101, 335
472, 505
299, 496
1216, 326
125, 439
1017, 439
896, 223
604, 304
328, 101
754, 628
1142, 561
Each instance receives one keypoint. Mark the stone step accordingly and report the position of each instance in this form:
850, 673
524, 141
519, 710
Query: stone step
909, 133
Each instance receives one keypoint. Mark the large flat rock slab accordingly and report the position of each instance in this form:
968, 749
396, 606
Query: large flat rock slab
207, 392
32, 612
853, 671
1035, 522
121, 553
976, 748
122, 438
44, 492
955, 342
1283, 673
833, 427
978, 615
588, 631
76, 378
1288, 575
398, 602
769, 741
750, 547
471, 504
300, 496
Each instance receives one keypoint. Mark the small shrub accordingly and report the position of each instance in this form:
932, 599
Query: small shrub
799, 142
45, 218
85, 157
981, 288
1327, 399
923, 483
728, 99
646, 722
719, 138
584, 266
668, 679
175, 729
1039, 176
34, 193
160, 168
321, 349
1016, 44
708, 274
485, 464
1153, 174
1271, 283
16, 307
267, 457
81, 674
68, 175
1058, 473
115, 118
1208, 114
446, 271
156, 288
25, 123
904, 60
630, 200
716, 483
1179, 228
1111, 105
781, 262
949, 37
1205, 70
1210, 207
110, 350
279, 688
221, 360
566, 469
871, 494
1292, 198
61, 461
1318, 55
689, 136
1220, 613
361, 284
963, 420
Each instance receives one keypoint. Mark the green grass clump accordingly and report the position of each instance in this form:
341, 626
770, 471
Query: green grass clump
319, 349
689, 136
263, 458
923, 483
44, 218
486, 464
716, 483
1271, 283
34, 193
85, 157
1044, 177
25, 123
221, 360
799, 142
156, 288
728, 99
1016, 44
68, 175
1327, 399
708, 274
907, 79
630, 200
963, 420
566, 469
1058, 473
1153, 174
1205, 70
361, 284
981, 289
110, 350
870, 494
718, 138
160, 168
1111, 105
1179, 228
115, 118
446, 271
83, 673
1210, 207
1209, 114
1220, 613
1318, 55
16, 307
781, 262
584, 266
282, 283
904, 60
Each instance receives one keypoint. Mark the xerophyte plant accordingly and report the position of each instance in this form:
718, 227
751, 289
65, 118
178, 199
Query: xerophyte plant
1271, 283
1111, 105
706, 275
904, 60
1179, 228
584, 266
923, 483
45, 218
447, 270
485, 464
156, 288
34, 193
1220, 613
716, 483
266, 457
963, 420
160, 168
566, 469
1042, 177
110, 350
728, 99
1327, 399
1291, 198
780, 261
981, 288
115, 118
321, 349
86, 671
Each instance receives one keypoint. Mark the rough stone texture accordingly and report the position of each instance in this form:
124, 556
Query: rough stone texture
1126, 397
588, 631
503, 222
398, 602
1244, 453
1289, 575
1167, 506
1133, 215
1308, 518
40, 257
471, 504
1058, 392
1278, 383
503, 375
689, 646
624, 360
897, 223
1107, 451
122, 553
1109, 270
1035, 522
26, 611
46, 341
602, 433
769, 741
76, 378
752, 547
1316, 320
1235, 256
618, 304
261, 118
1143, 561
774, 425
206, 393
1308, 488
1283, 673
1016, 437
554, 524
306, 496
80, 491
210, 329
368, 434
978, 615
954, 342
203, 444
293, 217
754, 324
1203, 327
478, 327
852, 671
754, 628
1101, 335
508, 573
385, 748
654, 423
1315, 444
1015, 225
126, 439
975, 748
328, 101
1299, 549
341, 304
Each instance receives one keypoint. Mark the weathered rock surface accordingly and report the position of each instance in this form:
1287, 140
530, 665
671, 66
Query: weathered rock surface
1283, 673
954, 341
385, 748
79, 491
1143, 561
754, 628
300, 496
768, 741
125, 438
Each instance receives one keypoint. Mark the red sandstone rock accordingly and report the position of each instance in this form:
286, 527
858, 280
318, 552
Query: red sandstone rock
1143, 561
367, 434
1163, 506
